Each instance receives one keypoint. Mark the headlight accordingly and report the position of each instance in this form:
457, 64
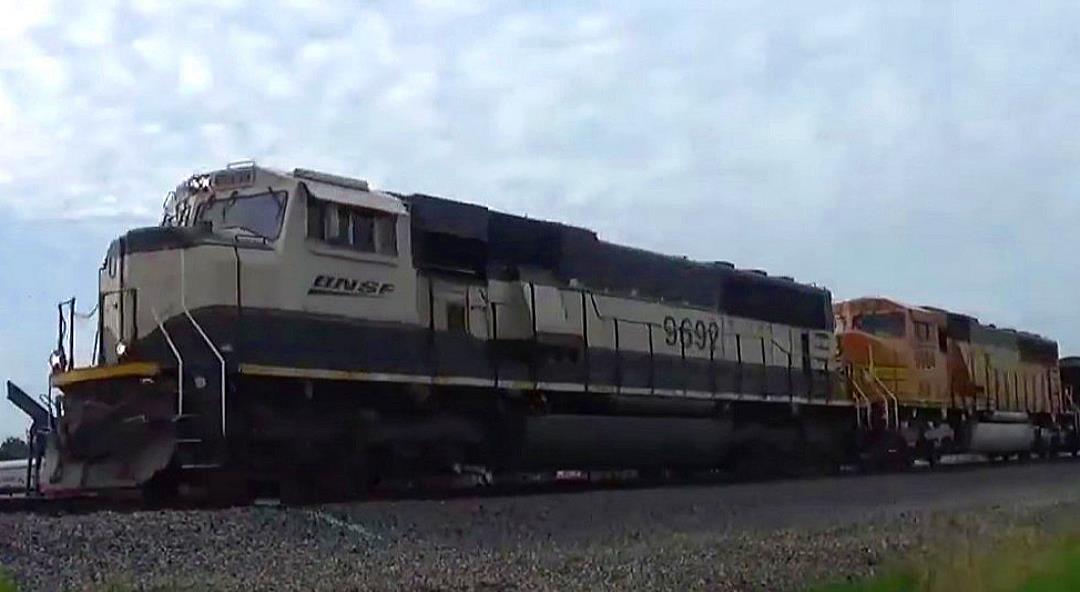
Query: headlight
56, 360
121, 349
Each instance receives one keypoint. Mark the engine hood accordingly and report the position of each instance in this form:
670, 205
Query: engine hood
162, 238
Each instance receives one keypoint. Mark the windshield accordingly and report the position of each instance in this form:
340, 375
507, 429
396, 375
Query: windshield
883, 324
258, 215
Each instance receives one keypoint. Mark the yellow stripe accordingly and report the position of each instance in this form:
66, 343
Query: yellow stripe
321, 374
129, 370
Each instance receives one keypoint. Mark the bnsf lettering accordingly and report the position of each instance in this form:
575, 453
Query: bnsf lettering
328, 285
345, 285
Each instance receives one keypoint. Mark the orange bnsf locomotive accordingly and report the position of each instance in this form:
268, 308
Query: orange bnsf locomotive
942, 382
299, 331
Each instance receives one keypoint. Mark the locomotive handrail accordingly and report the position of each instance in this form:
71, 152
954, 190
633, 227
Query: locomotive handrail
890, 395
885, 389
221, 361
858, 392
863, 375
602, 316
650, 325
616, 320
66, 328
205, 337
179, 362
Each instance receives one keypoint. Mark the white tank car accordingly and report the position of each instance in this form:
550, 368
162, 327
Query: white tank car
13, 476
283, 325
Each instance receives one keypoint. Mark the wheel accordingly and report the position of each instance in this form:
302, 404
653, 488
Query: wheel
297, 487
926, 450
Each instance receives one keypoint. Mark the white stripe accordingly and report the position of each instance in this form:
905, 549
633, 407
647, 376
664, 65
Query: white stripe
571, 387
462, 381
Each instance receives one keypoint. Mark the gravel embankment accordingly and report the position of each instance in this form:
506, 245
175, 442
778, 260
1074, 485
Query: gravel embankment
771, 536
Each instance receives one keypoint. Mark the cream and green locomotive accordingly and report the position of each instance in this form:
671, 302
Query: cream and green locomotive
299, 327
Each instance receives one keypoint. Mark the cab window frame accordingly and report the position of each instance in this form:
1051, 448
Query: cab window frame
896, 328
924, 331
280, 196
339, 225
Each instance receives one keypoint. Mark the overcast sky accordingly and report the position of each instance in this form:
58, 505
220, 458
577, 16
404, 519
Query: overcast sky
922, 150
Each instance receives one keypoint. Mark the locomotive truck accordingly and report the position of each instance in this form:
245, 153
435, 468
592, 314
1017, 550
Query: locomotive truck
302, 332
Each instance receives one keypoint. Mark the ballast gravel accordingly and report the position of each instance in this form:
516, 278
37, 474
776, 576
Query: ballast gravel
765, 536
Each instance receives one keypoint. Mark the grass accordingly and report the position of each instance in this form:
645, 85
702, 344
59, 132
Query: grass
894, 582
117, 583
1022, 561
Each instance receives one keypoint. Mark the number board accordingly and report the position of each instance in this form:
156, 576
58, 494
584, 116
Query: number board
691, 334
233, 178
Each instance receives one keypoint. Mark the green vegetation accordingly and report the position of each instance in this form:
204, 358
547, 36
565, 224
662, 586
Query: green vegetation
7, 584
14, 449
1024, 561
119, 584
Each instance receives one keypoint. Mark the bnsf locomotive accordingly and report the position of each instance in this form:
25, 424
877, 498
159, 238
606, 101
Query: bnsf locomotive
302, 330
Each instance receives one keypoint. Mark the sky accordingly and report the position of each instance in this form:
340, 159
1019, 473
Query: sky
925, 151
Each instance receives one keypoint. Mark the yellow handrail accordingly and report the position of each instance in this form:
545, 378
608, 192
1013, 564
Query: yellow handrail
889, 394
858, 392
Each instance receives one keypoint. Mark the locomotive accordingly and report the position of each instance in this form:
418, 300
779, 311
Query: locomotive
948, 383
303, 332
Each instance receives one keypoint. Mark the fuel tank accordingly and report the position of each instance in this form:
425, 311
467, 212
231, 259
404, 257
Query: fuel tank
605, 442
1002, 433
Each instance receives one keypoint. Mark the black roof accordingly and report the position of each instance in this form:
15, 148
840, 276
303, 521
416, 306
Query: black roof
461, 237
1032, 347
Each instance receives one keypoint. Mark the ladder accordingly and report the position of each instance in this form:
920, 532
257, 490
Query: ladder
194, 452
868, 390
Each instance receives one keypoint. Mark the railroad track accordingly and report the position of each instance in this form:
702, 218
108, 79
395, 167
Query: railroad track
510, 485
36, 504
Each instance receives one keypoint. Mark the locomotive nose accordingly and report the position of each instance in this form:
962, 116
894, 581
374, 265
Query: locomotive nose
117, 429
861, 349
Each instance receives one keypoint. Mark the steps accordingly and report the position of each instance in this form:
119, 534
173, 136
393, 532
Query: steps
193, 451
870, 393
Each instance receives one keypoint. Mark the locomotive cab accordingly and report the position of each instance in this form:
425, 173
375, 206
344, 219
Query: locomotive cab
946, 381
903, 348
240, 254
256, 239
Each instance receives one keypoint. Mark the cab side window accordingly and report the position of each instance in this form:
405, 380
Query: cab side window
891, 324
455, 318
923, 331
315, 218
357, 228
